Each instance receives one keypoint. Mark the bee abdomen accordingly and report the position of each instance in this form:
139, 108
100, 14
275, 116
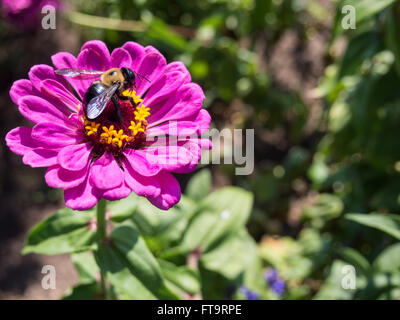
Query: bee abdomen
94, 90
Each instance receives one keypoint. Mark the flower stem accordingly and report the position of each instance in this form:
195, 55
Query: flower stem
101, 237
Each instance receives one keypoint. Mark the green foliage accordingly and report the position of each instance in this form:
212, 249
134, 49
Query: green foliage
66, 231
320, 155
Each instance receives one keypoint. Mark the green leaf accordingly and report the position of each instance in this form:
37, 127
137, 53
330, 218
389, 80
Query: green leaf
325, 207
200, 185
389, 259
389, 223
160, 31
131, 268
332, 287
355, 258
223, 212
86, 266
392, 32
123, 209
361, 47
232, 256
164, 227
87, 291
185, 278
66, 231
364, 9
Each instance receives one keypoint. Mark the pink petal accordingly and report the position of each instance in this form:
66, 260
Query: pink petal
170, 191
151, 67
58, 177
54, 136
136, 51
82, 197
63, 60
179, 66
139, 163
38, 110
105, 172
41, 72
164, 86
75, 157
176, 128
169, 157
141, 185
202, 120
118, 193
19, 140
185, 103
20, 89
98, 57
40, 157
120, 58
61, 94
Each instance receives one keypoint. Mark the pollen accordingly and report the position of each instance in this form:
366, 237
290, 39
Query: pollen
141, 113
91, 127
136, 127
132, 93
107, 134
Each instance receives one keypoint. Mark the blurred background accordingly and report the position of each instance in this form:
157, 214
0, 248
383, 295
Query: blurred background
324, 103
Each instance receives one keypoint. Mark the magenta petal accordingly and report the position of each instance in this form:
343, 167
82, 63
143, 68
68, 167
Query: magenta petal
58, 177
180, 67
98, 57
151, 67
63, 60
41, 72
176, 128
54, 136
118, 193
164, 86
82, 197
185, 103
169, 157
75, 157
20, 89
120, 58
105, 172
203, 120
57, 91
194, 147
39, 110
20, 141
137, 160
136, 51
40, 157
170, 191
142, 186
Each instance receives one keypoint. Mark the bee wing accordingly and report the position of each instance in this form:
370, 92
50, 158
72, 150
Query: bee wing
81, 73
97, 105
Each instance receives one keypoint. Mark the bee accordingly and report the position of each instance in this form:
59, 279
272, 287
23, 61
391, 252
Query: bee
111, 85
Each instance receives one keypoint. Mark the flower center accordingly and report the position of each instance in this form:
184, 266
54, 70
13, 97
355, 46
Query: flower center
108, 134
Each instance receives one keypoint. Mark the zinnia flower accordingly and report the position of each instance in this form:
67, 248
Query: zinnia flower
26, 14
105, 158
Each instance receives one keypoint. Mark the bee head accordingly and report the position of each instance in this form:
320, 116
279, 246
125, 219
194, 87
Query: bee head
129, 77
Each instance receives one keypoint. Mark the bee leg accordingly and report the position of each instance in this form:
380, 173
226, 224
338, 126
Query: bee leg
115, 100
130, 100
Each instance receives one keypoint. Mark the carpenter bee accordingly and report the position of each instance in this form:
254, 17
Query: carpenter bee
110, 87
